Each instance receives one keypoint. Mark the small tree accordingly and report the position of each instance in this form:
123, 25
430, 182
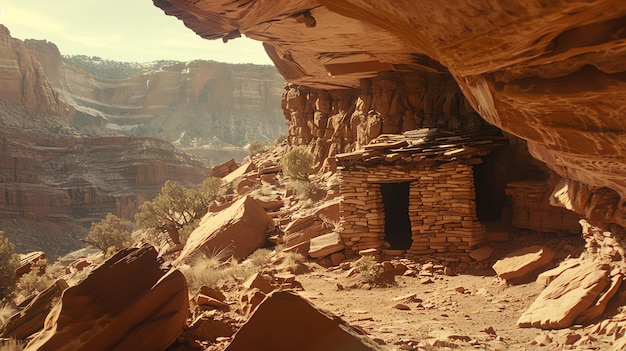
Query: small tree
177, 207
255, 147
9, 262
298, 164
110, 234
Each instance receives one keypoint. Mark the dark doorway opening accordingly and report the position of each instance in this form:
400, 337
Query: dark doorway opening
397, 222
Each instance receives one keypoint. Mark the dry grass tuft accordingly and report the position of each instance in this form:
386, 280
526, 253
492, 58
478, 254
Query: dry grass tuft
370, 270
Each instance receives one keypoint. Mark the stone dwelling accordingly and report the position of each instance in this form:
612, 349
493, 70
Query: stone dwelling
414, 191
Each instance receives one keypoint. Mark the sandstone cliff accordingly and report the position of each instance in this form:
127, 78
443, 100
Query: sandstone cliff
22, 78
195, 104
549, 72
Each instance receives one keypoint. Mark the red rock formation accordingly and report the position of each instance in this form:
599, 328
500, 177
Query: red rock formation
285, 321
210, 101
238, 230
550, 72
22, 79
127, 303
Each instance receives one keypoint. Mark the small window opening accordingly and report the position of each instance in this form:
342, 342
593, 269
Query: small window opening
397, 223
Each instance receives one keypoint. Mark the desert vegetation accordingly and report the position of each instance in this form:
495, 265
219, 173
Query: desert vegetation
110, 234
177, 209
298, 166
9, 262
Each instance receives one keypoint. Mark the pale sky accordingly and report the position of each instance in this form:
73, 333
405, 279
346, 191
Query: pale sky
121, 30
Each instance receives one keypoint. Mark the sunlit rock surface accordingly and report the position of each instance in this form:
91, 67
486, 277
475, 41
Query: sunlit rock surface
549, 72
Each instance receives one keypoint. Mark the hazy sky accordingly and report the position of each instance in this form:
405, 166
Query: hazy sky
121, 30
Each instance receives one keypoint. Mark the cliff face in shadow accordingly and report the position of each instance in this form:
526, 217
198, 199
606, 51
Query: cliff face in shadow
549, 72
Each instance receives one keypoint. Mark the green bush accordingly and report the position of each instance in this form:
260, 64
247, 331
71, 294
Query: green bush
35, 281
111, 234
308, 190
298, 164
177, 207
9, 262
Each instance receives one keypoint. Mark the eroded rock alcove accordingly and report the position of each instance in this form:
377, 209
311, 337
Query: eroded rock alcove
550, 73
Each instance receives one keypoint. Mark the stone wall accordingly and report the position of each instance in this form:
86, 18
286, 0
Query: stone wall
442, 207
532, 209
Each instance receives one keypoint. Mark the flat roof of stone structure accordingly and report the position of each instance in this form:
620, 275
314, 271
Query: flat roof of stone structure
426, 144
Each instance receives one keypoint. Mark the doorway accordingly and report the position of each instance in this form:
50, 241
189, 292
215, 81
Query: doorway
397, 223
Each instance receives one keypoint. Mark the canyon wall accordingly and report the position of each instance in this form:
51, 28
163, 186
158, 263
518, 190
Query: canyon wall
54, 181
197, 103
548, 72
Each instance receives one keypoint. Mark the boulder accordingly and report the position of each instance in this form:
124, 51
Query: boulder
212, 292
285, 321
224, 169
259, 281
31, 318
27, 261
325, 245
239, 229
126, 303
303, 229
523, 264
567, 297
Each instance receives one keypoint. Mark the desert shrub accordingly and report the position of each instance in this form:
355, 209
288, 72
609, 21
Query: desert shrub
9, 262
177, 207
298, 164
291, 262
259, 257
37, 280
111, 234
255, 147
308, 190
370, 270
6, 311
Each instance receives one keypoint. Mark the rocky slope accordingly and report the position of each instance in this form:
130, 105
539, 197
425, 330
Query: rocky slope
195, 104
549, 72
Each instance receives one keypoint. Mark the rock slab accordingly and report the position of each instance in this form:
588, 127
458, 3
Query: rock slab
520, 265
567, 297
325, 245
285, 321
127, 303
238, 230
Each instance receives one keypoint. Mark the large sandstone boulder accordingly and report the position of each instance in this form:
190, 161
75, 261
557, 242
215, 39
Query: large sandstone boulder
568, 296
239, 229
127, 303
523, 264
284, 321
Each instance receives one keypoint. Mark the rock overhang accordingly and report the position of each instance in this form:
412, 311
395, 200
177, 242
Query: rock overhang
549, 72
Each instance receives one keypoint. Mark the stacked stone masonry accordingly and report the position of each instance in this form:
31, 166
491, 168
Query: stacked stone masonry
442, 207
